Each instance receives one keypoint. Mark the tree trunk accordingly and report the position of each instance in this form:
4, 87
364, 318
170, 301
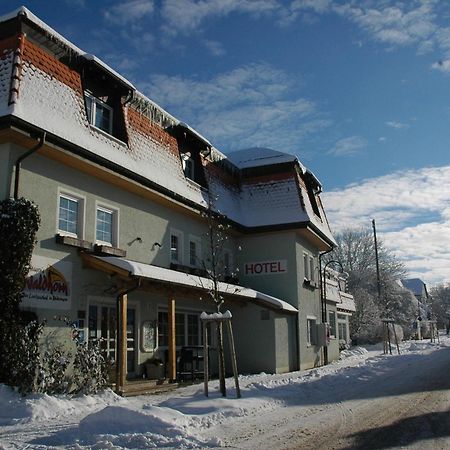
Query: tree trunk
223, 388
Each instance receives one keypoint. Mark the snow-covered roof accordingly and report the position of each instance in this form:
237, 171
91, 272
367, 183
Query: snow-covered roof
51, 98
259, 156
58, 37
347, 302
332, 291
164, 275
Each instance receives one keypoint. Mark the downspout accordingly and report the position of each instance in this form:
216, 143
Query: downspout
21, 158
118, 327
323, 300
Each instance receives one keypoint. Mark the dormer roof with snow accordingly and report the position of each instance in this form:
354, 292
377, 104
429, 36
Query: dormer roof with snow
49, 84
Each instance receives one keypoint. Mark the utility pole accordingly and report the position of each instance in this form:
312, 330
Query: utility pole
386, 322
376, 259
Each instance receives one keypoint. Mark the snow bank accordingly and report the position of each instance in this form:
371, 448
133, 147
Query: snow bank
42, 407
185, 418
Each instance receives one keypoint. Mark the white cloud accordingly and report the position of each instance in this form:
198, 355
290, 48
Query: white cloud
348, 146
215, 48
382, 139
442, 66
397, 125
254, 104
130, 11
412, 210
184, 16
394, 24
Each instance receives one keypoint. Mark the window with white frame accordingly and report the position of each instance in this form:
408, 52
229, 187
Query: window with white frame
194, 251
106, 225
332, 323
312, 269
342, 327
70, 215
188, 166
306, 266
310, 331
176, 246
99, 113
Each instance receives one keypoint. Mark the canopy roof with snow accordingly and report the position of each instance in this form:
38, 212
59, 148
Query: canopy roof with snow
43, 82
173, 277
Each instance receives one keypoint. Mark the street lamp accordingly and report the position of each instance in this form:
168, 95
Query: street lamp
324, 300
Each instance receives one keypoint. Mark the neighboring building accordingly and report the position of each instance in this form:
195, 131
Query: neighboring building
417, 287
340, 307
122, 187
423, 309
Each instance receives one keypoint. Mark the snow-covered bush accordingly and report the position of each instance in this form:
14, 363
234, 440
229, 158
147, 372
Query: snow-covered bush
90, 367
52, 377
20, 354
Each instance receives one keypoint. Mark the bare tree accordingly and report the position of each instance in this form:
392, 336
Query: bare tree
216, 268
356, 252
440, 304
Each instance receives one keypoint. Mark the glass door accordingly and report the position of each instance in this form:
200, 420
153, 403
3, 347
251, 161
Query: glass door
103, 326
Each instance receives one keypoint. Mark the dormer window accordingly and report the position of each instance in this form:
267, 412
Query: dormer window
99, 114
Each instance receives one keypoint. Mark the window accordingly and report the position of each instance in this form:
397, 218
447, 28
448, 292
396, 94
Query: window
306, 266
70, 213
332, 322
99, 113
342, 331
104, 227
163, 329
311, 269
188, 166
176, 246
193, 329
107, 226
188, 329
227, 263
342, 327
310, 331
194, 251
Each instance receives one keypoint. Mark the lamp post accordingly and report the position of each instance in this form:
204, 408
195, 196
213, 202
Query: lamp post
324, 300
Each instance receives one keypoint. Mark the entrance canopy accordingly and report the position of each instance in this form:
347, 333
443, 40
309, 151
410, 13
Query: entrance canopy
127, 268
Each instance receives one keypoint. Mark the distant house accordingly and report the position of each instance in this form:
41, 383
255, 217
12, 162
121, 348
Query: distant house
417, 287
424, 313
122, 187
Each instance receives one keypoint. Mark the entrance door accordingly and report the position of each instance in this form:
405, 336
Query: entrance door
103, 326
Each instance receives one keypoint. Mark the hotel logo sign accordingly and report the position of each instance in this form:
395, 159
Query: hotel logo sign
275, 267
48, 284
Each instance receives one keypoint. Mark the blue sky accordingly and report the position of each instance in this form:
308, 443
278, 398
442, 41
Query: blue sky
359, 90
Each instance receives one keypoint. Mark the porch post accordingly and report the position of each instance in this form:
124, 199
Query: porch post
172, 341
122, 335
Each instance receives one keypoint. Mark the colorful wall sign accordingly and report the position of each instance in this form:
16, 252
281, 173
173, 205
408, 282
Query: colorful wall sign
49, 284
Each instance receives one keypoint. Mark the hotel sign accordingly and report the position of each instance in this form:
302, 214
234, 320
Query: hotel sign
275, 267
49, 284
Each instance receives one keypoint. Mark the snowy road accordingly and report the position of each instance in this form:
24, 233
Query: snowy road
367, 400
403, 403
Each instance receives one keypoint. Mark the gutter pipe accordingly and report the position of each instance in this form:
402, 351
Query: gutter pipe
21, 158
323, 299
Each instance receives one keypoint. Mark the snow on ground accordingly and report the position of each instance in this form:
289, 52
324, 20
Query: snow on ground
183, 418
